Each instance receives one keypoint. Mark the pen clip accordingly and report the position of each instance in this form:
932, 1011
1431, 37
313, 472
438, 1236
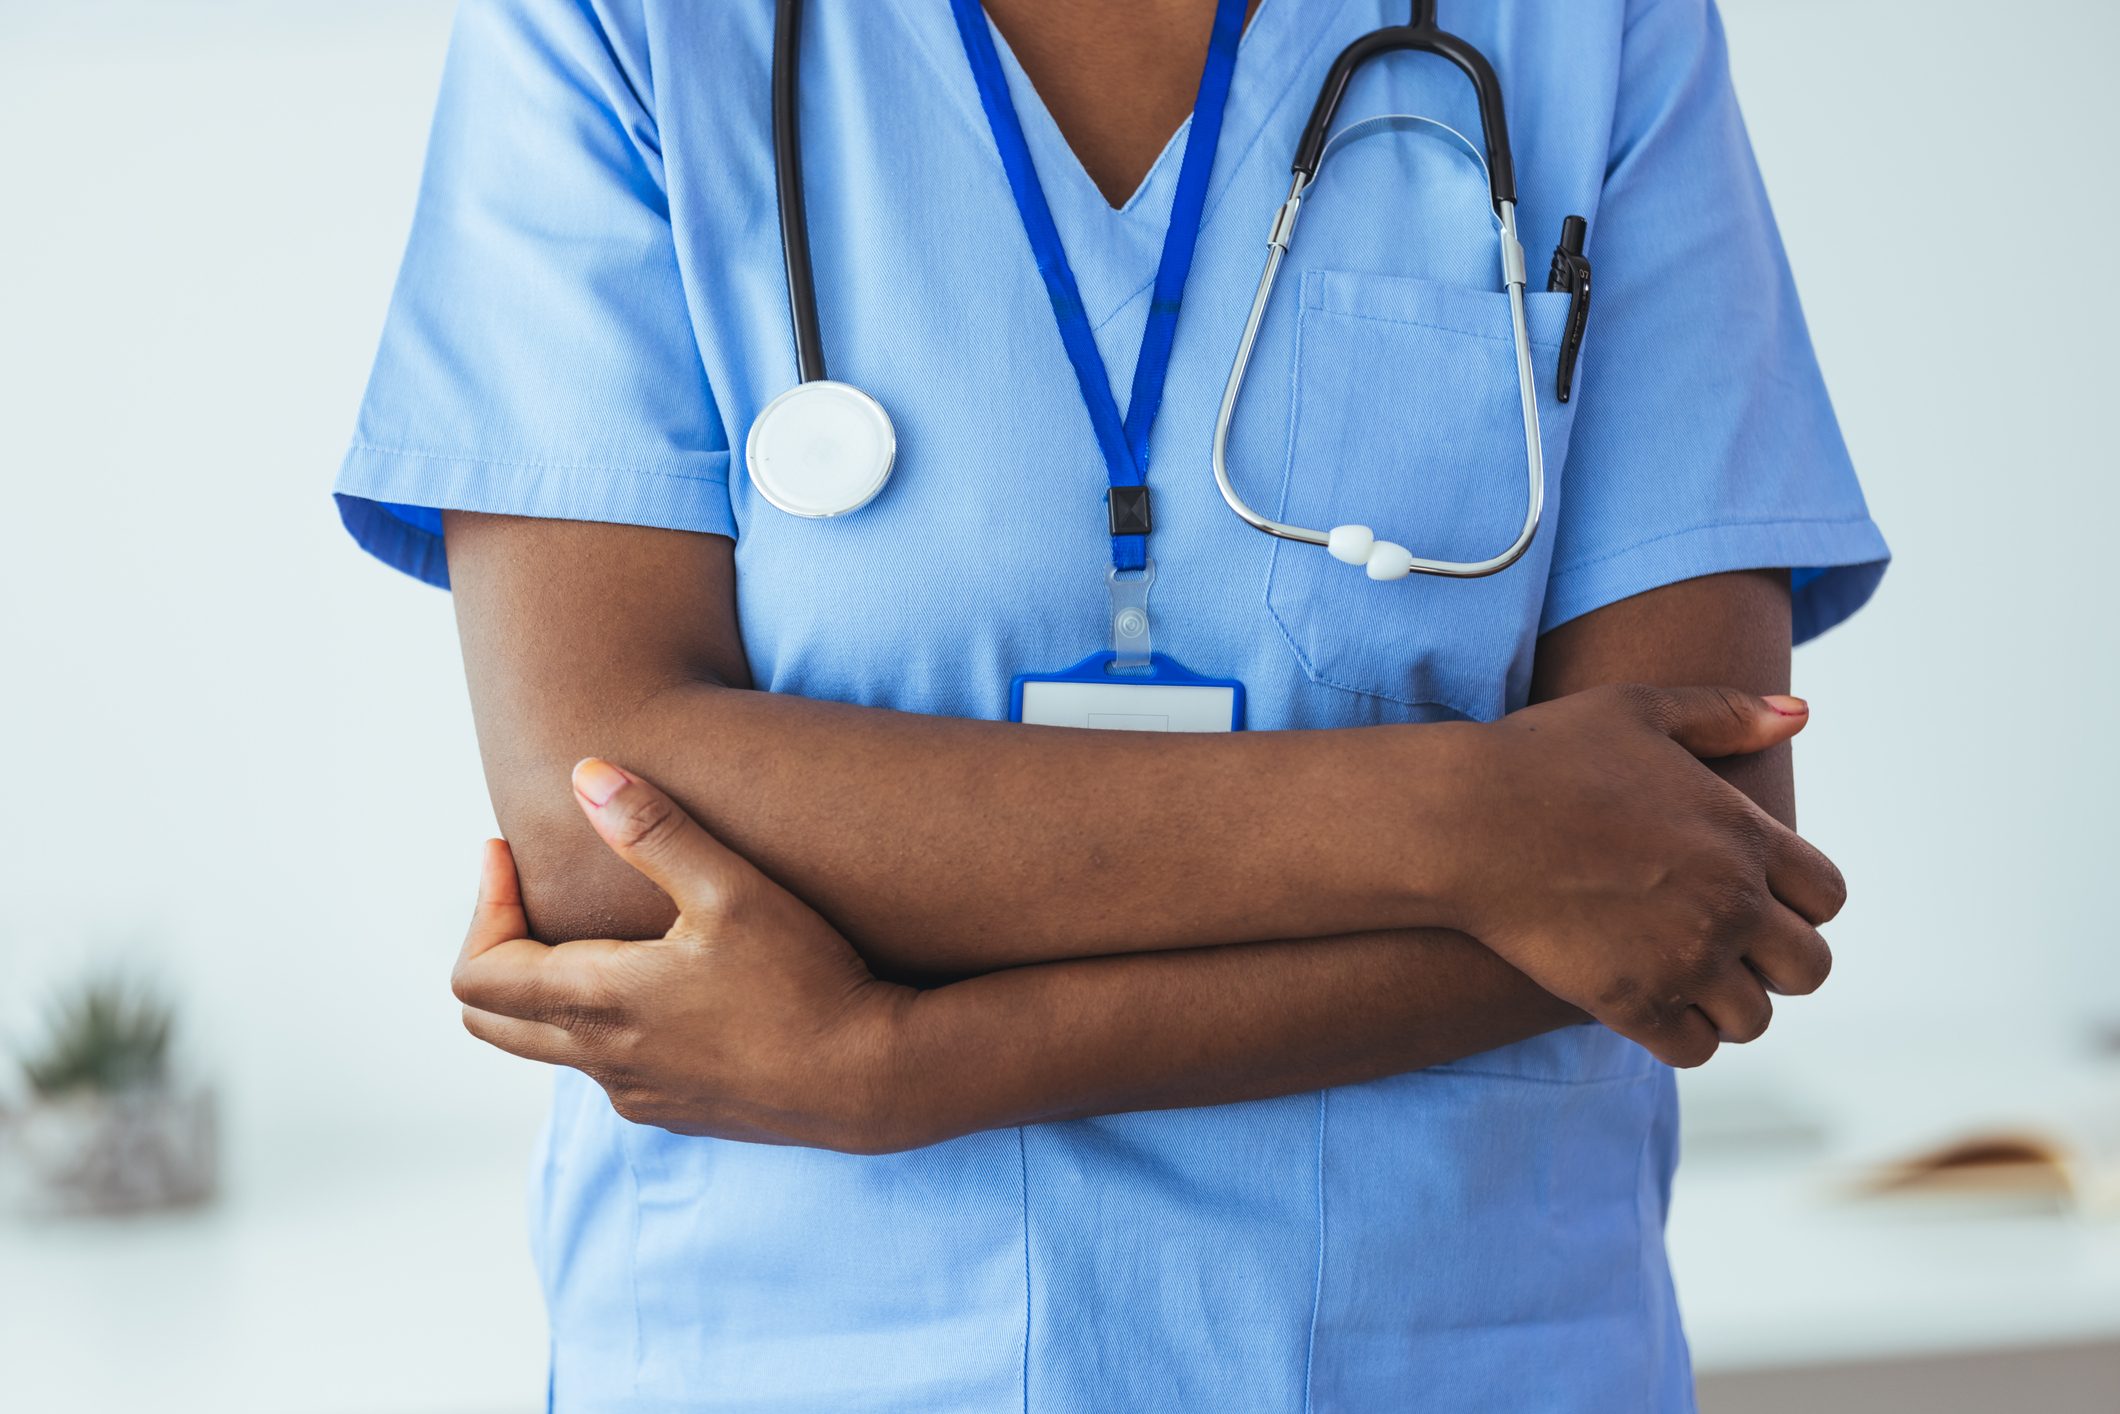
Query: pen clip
1571, 273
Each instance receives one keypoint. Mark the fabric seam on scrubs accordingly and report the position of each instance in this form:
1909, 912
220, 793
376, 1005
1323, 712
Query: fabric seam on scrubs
1273, 554
1127, 303
1845, 543
606, 468
1641, 1283
1317, 1293
1628, 549
640, 1334
374, 479
537, 1184
1023, 1202
1643, 1067
1536, 340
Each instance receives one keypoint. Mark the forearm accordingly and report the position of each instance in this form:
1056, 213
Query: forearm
1168, 1030
1613, 849
946, 846
1228, 1024
939, 846
943, 847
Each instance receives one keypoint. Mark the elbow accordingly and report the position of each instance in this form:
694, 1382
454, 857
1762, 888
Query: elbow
574, 887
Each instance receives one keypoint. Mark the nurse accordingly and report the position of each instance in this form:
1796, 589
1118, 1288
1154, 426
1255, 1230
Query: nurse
913, 1058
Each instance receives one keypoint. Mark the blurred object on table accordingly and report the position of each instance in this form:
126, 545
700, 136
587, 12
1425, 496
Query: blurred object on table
108, 1124
2069, 1160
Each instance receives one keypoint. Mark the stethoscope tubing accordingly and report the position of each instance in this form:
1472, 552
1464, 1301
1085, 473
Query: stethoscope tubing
1419, 37
787, 180
1514, 278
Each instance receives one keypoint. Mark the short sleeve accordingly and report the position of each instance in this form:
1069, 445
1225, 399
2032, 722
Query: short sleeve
1704, 439
538, 358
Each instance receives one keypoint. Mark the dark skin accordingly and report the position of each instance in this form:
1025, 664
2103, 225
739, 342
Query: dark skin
1118, 78
1266, 940
751, 1016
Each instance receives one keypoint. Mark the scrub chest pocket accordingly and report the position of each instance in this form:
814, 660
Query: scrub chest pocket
1405, 417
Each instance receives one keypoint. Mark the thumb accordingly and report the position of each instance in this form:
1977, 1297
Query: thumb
652, 833
1721, 721
498, 916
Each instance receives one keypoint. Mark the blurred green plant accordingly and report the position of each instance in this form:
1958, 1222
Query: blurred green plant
105, 1036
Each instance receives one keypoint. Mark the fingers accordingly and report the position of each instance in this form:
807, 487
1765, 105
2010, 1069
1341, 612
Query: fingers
567, 985
518, 994
1789, 955
532, 1040
1803, 878
1785, 955
498, 914
652, 833
1689, 1040
509, 976
1713, 722
1738, 1006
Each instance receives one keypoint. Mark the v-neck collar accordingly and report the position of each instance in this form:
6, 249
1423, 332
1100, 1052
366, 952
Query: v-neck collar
1080, 209
1022, 88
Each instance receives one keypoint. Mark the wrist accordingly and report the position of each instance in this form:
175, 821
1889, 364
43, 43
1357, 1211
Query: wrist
1439, 786
888, 1089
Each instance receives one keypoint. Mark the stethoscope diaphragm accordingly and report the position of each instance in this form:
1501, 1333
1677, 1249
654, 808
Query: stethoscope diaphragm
820, 449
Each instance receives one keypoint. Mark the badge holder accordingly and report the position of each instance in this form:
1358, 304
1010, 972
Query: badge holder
1130, 688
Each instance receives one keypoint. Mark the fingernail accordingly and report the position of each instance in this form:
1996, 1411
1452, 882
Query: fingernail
597, 780
1786, 705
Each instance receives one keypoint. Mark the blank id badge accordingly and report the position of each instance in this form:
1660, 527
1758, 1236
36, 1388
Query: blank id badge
1160, 696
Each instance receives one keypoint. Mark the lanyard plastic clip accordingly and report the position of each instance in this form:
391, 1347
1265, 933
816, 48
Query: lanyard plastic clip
1131, 644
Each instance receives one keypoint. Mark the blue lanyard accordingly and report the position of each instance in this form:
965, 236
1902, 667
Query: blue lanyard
1124, 444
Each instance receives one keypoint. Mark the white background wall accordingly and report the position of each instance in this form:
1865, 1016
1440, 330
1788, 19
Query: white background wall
240, 752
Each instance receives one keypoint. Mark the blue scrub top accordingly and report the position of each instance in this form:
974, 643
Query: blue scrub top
590, 313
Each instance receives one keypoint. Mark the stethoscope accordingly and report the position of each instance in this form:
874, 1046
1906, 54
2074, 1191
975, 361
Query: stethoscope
826, 448
822, 448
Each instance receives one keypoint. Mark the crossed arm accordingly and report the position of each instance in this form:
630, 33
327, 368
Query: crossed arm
1263, 937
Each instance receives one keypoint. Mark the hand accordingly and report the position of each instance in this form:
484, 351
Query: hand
751, 1019
1606, 863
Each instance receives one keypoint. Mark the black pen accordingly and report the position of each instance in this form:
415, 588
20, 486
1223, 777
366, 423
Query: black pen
1571, 273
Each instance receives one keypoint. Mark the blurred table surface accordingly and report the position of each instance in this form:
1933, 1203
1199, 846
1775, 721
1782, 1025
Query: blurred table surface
1777, 1267
324, 1281
328, 1283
